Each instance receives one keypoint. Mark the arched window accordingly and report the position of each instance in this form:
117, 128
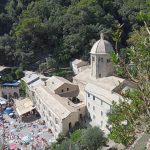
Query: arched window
93, 58
70, 125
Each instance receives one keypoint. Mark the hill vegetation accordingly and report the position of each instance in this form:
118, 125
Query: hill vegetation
33, 32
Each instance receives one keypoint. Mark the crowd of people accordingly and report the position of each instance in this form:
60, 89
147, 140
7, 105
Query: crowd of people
21, 135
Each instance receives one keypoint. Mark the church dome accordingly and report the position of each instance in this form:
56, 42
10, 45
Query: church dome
102, 46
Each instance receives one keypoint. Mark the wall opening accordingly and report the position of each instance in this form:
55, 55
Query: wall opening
70, 125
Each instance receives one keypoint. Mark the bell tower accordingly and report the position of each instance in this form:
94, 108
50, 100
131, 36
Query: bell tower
101, 64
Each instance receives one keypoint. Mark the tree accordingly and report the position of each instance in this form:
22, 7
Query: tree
30, 43
93, 138
116, 36
82, 139
62, 29
7, 50
42, 67
76, 135
19, 74
65, 145
22, 89
136, 103
126, 111
51, 62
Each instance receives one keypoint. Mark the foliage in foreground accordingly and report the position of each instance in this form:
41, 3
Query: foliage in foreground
82, 139
132, 113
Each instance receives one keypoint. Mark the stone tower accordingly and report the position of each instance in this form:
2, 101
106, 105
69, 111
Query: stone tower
101, 64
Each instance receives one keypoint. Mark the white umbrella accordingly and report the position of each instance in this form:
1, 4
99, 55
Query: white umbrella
2, 102
11, 114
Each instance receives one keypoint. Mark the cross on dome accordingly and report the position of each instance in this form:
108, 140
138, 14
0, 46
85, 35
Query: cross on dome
102, 36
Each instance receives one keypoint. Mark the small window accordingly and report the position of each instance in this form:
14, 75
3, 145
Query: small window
51, 123
93, 58
62, 90
88, 94
101, 102
99, 75
93, 107
101, 59
93, 97
32, 93
43, 113
101, 123
93, 116
55, 129
49, 113
108, 60
39, 101
56, 120
67, 89
43, 107
101, 113
46, 118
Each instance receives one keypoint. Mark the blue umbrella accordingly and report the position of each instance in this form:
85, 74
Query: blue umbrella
8, 110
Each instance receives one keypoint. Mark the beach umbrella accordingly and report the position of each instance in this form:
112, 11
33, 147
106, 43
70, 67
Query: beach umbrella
30, 136
8, 110
26, 139
13, 130
11, 114
12, 146
21, 135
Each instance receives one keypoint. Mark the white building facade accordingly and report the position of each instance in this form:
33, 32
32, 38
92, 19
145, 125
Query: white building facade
97, 84
78, 65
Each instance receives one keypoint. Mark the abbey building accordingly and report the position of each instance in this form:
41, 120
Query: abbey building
98, 86
62, 103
